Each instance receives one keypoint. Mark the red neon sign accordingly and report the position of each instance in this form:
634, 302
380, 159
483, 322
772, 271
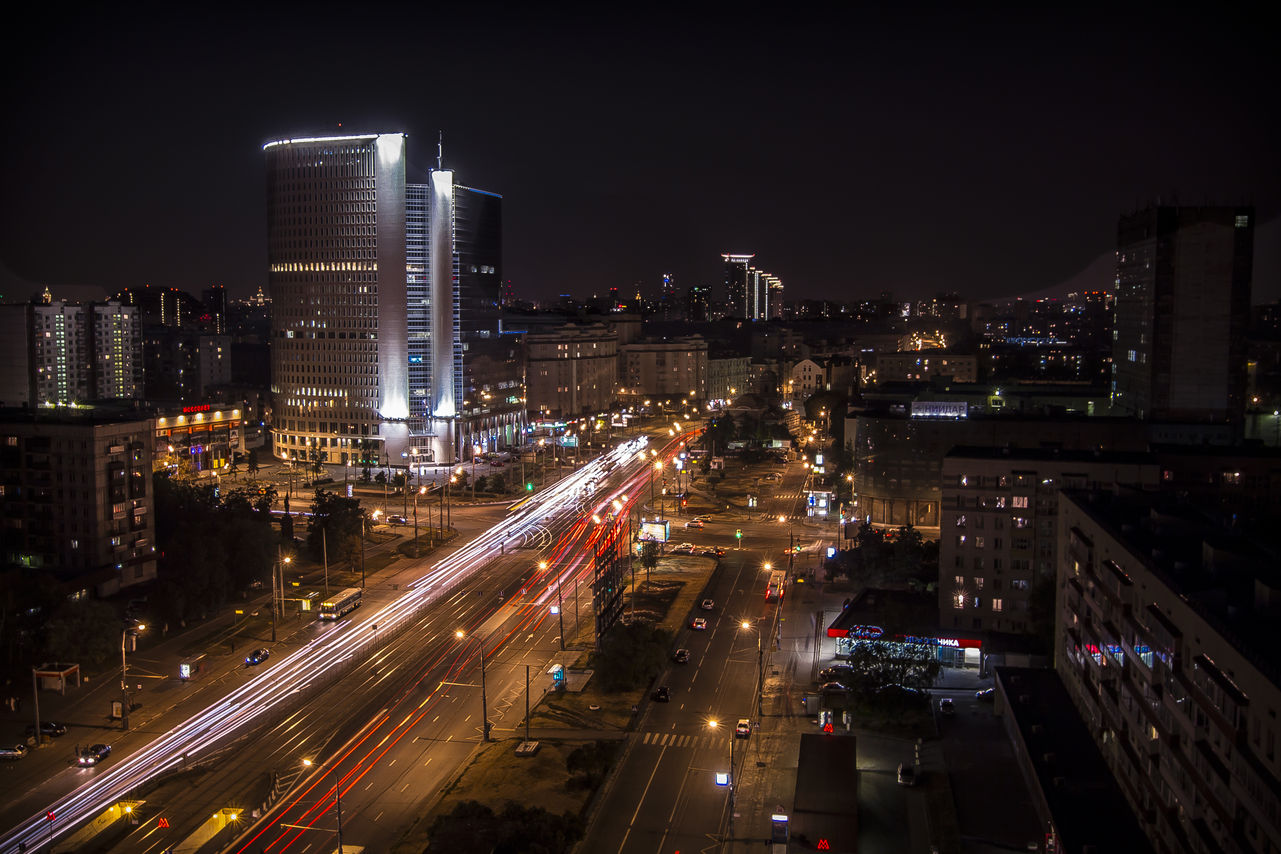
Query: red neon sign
162, 822
199, 407
823, 845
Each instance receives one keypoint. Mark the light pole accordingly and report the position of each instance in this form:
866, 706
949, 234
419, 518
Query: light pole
560, 608
278, 589
124, 677
421, 490
484, 708
712, 724
760, 667
337, 799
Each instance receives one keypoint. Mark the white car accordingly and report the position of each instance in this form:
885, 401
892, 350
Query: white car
707, 605
694, 523
743, 729
699, 624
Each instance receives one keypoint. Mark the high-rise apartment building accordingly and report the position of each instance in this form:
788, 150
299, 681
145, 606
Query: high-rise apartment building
697, 304
1182, 310
667, 298
736, 272
751, 293
378, 286
75, 488
57, 353
571, 370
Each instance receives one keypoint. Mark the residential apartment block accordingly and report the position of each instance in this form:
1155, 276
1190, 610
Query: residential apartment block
1166, 639
999, 536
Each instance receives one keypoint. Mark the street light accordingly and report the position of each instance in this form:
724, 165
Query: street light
760, 666
422, 490
712, 724
124, 674
307, 763
484, 708
278, 589
560, 608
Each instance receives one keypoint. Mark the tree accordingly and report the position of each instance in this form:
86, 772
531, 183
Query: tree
340, 519
251, 465
588, 764
880, 663
649, 557
473, 826
86, 632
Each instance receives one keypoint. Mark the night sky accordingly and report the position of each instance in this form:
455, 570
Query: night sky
855, 150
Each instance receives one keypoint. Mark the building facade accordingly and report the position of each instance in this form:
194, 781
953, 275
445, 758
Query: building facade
75, 486
728, 376
999, 536
1183, 279
1166, 642
378, 286
923, 365
571, 371
667, 368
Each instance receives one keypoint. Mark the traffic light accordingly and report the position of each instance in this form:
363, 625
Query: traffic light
529, 487
738, 534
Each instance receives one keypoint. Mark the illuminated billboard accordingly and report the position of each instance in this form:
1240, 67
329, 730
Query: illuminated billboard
656, 531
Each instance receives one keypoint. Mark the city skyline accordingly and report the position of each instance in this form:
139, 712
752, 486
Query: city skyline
911, 152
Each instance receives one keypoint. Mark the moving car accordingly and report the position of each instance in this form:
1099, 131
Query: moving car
694, 523
662, 694
93, 754
397, 520
258, 656
13, 751
985, 695
496, 463
681, 656
947, 707
699, 624
743, 729
773, 476
833, 688
685, 547
906, 774
49, 728
707, 605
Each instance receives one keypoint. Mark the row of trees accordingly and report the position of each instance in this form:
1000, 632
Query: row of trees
883, 558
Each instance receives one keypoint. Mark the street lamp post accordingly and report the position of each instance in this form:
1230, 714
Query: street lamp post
560, 608
484, 707
713, 724
337, 799
278, 589
760, 669
124, 677
420, 491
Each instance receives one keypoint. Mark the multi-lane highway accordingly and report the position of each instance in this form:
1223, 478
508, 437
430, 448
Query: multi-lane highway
375, 653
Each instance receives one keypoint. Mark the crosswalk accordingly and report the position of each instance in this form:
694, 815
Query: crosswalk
694, 742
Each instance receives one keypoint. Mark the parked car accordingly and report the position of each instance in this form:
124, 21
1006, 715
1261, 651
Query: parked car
681, 656
685, 547
835, 672
49, 728
13, 751
93, 754
496, 463
397, 520
743, 729
699, 624
662, 694
833, 688
773, 476
906, 774
947, 707
258, 656
707, 605
694, 523
985, 695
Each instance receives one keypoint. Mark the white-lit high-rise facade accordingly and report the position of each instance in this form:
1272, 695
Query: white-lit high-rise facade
376, 284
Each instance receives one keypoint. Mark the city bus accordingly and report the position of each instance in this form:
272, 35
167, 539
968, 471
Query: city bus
336, 606
775, 588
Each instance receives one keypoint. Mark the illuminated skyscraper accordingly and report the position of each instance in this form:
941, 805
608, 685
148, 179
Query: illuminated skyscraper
736, 267
377, 285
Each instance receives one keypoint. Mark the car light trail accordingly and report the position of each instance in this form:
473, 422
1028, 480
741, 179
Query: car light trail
203, 730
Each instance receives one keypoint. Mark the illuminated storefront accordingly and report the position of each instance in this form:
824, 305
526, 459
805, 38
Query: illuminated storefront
899, 616
199, 438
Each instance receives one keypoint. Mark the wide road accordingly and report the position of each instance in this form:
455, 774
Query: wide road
665, 797
280, 690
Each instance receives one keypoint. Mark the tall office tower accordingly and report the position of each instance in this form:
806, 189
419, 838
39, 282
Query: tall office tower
215, 303
163, 306
697, 304
774, 305
667, 297
736, 271
57, 353
1182, 308
377, 287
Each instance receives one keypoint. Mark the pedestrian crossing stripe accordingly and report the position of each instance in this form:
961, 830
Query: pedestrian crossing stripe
671, 739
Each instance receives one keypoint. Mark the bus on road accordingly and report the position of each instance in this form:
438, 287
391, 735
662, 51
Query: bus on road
775, 589
336, 606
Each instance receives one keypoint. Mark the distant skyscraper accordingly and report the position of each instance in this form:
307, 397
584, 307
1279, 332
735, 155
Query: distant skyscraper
667, 297
774, 306
736, 285
376, 286
215, 301
1182, 309
697, 304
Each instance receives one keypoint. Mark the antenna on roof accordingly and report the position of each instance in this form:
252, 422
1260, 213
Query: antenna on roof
440, 151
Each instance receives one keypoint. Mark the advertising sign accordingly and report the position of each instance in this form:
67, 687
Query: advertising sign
657, 531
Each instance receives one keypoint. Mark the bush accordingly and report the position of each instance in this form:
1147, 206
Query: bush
473, 826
